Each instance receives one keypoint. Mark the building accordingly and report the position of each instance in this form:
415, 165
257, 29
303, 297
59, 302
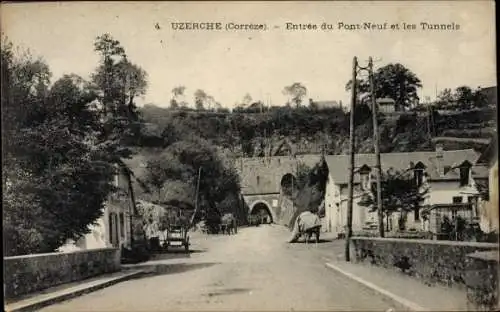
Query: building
450, 177
490, 94
489, 208
386, 105
113, 228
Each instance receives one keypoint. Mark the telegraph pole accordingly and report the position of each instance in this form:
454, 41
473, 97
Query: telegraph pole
196, 198
376, 143
351, 163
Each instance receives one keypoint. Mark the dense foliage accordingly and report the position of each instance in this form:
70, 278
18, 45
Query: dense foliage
62, 145
400, 193
393, 81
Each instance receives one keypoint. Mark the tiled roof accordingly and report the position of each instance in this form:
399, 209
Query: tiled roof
338, 165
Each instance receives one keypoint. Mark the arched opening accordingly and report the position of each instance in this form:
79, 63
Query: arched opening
263, 213
288, 184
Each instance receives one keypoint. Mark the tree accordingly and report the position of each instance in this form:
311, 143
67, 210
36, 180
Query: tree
177, 92
55, 178
394, 81
445, 98
399, 194
218, 179
200, 97
296, 92
247, 99
464, 97
174, 104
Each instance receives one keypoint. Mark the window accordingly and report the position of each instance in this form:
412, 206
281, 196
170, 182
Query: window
419, 177
110, 223
457, 199
464, 176
473, 201
364, 174
122, 225
416, 212
258, 180
365, 181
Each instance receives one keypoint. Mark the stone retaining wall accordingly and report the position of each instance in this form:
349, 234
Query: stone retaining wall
443, 262
31, 273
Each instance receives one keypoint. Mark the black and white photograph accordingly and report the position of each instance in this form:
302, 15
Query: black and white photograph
249, 156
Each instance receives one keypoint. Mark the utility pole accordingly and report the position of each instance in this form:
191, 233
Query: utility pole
196, 198
376, 143
351, 163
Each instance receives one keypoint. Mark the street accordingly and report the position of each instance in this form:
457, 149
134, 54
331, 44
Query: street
253, 270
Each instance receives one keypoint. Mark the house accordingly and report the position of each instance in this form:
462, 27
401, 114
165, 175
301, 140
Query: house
490, 94
450, 177
489, 208
386, 105
112, 229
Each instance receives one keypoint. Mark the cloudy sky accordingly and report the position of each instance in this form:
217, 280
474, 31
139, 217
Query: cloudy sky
229, 64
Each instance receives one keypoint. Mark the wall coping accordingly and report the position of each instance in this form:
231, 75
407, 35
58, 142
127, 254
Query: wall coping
58, 253
485, 255
428, 241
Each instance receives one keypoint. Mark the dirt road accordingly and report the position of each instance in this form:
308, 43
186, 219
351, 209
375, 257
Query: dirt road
252, 270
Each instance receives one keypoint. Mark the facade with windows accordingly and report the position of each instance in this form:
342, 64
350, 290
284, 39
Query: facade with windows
450, 178
113, 228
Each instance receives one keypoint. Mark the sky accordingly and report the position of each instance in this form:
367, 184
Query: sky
228, 64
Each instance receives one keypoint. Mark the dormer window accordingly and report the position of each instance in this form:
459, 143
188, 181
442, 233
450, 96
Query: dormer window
465, 173
418, 173
364, 174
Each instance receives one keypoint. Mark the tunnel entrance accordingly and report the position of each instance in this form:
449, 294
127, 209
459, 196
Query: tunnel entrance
262, 212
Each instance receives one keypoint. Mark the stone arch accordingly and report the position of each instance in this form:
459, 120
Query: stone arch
263, 206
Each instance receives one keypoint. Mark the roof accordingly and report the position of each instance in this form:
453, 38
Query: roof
385, 101
490, 153
491, 94
338, 165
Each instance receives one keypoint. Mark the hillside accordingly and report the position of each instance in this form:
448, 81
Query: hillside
309, 131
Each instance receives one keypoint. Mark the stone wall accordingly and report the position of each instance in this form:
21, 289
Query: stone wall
436, 262
482, 276
31, 273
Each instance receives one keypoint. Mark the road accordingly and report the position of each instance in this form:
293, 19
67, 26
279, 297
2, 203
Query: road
253, 270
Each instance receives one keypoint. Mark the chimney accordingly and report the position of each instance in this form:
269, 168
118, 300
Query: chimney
439, 151
439, 158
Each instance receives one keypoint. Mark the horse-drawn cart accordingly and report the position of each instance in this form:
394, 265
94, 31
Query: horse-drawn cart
177, 235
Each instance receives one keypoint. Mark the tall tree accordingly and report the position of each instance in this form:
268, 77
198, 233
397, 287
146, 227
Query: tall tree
247, 99
296, 92
55, 178
394, 81
176, 93
200, 98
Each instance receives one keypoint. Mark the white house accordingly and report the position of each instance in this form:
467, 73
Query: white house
112, 229
450, 176
386, 105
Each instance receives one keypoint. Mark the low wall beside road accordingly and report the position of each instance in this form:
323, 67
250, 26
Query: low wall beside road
31, 273
443, 262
